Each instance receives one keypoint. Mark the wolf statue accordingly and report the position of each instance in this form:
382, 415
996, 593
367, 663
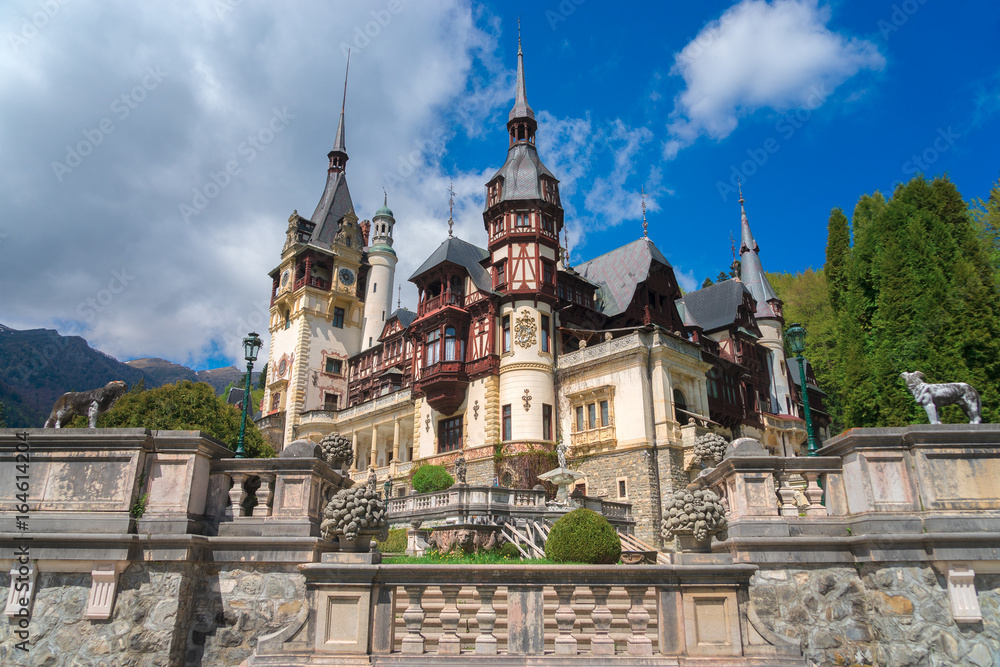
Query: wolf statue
932, 396
91, 403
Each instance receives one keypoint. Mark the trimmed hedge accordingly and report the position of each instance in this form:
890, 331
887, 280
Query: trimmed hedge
395, 543
430, 478
583, 536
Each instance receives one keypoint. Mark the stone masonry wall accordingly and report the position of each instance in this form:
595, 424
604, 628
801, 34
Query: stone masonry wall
891, 616
602, 471
165, 614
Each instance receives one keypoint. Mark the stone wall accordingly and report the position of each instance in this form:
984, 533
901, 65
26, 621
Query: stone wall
602, 472
480, 472
165, 614
891, 616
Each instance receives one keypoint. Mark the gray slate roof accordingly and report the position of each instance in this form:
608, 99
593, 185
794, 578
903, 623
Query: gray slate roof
333, 206
405, 316
618, 272
521, 173
464, 254
715, 306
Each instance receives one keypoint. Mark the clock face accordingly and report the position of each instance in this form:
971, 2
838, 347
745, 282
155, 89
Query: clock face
282, 367
284, 277
346, 277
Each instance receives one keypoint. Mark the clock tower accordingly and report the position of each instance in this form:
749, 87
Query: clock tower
523, 218
316, 306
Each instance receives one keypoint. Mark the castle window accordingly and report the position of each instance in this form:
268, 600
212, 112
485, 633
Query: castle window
450, 434
338, 318
546, 223
433, 348
506, 333
545, 335
579, 418
507, 435
622, 487
276, 401
331, 401
548, 273
335, 366
450, 347
546, 422
523, 220
593, 412
680, 408
347, 241
374, 287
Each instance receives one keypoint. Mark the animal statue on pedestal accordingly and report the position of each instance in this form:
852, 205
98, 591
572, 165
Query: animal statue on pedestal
932, 396
91, 404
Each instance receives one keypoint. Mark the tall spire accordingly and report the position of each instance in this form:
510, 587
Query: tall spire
752, 272
338, 154
521, 121
645, 225
451, 208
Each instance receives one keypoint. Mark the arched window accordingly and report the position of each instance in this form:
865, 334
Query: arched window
680, 407
450, 347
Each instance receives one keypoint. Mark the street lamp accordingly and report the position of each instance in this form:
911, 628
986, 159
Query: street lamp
796, 335
251, 344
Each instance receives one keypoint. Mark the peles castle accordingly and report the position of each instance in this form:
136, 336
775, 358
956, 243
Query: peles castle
512, 349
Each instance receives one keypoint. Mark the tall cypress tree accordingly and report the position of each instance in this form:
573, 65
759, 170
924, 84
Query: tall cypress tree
838, 248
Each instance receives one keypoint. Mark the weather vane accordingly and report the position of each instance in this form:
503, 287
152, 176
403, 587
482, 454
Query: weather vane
451, 207
645, 225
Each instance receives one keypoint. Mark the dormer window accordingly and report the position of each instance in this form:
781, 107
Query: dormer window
523, 220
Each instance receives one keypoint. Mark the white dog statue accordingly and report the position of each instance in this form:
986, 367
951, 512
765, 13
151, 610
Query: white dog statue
932, 396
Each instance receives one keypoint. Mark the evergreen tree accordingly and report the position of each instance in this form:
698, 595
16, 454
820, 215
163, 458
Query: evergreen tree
262, 380
838, 247
708, 283
986, 215
722, 277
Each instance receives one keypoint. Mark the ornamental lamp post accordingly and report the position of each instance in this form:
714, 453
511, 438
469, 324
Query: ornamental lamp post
796, 335
251, 344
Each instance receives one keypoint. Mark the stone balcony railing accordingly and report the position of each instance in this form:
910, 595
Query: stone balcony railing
520, 615
622, 344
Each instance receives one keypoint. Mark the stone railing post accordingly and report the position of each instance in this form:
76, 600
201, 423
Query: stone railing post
237, 494
787, 495
449, 643
600, 616
565, 643
638, 619
486, 618
413, 617
265, 496
814, 494
525, 620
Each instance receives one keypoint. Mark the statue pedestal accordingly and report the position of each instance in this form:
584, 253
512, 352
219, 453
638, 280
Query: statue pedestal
563, 478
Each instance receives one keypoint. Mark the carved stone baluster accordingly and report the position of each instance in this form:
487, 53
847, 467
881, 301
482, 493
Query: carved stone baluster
237, 494
265, 496
787, 495
814, 493
565, 618
486, 618
413, 617
449, 643
600, 615
638, 620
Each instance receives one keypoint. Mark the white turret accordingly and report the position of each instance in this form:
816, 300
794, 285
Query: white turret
378, 295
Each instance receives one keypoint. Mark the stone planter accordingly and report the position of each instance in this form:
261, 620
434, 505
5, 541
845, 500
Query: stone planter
360, 544
639, 557
690, 544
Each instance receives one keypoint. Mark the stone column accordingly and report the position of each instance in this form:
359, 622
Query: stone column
354, 446
372, 457
395, 440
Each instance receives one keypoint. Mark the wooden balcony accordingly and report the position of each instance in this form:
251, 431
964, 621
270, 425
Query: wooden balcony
443, 385
430, 304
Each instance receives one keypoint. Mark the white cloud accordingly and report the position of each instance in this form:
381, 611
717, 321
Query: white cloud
686, 280
758, 54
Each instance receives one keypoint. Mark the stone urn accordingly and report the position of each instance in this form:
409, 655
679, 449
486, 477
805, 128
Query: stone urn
693, 516
337, 451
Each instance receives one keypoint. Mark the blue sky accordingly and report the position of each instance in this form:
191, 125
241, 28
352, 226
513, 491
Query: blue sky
811, 104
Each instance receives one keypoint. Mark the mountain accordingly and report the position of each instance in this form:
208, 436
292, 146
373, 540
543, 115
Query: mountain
37, 366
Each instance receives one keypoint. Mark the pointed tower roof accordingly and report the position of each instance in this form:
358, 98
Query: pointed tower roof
752, 272
521, 107
336, 200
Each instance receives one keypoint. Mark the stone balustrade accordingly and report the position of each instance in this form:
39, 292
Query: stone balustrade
467, 503
572, 614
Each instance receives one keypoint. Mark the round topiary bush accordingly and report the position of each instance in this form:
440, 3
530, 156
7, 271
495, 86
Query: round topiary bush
583, 536
430, 478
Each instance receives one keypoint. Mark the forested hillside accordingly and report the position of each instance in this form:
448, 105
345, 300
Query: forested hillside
910, 283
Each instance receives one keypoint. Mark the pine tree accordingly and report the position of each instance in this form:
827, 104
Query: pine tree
838, 248
708, 283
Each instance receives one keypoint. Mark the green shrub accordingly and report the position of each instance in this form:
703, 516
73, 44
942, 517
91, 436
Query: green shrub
508, 550
583, 536
430, 478
395, 543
